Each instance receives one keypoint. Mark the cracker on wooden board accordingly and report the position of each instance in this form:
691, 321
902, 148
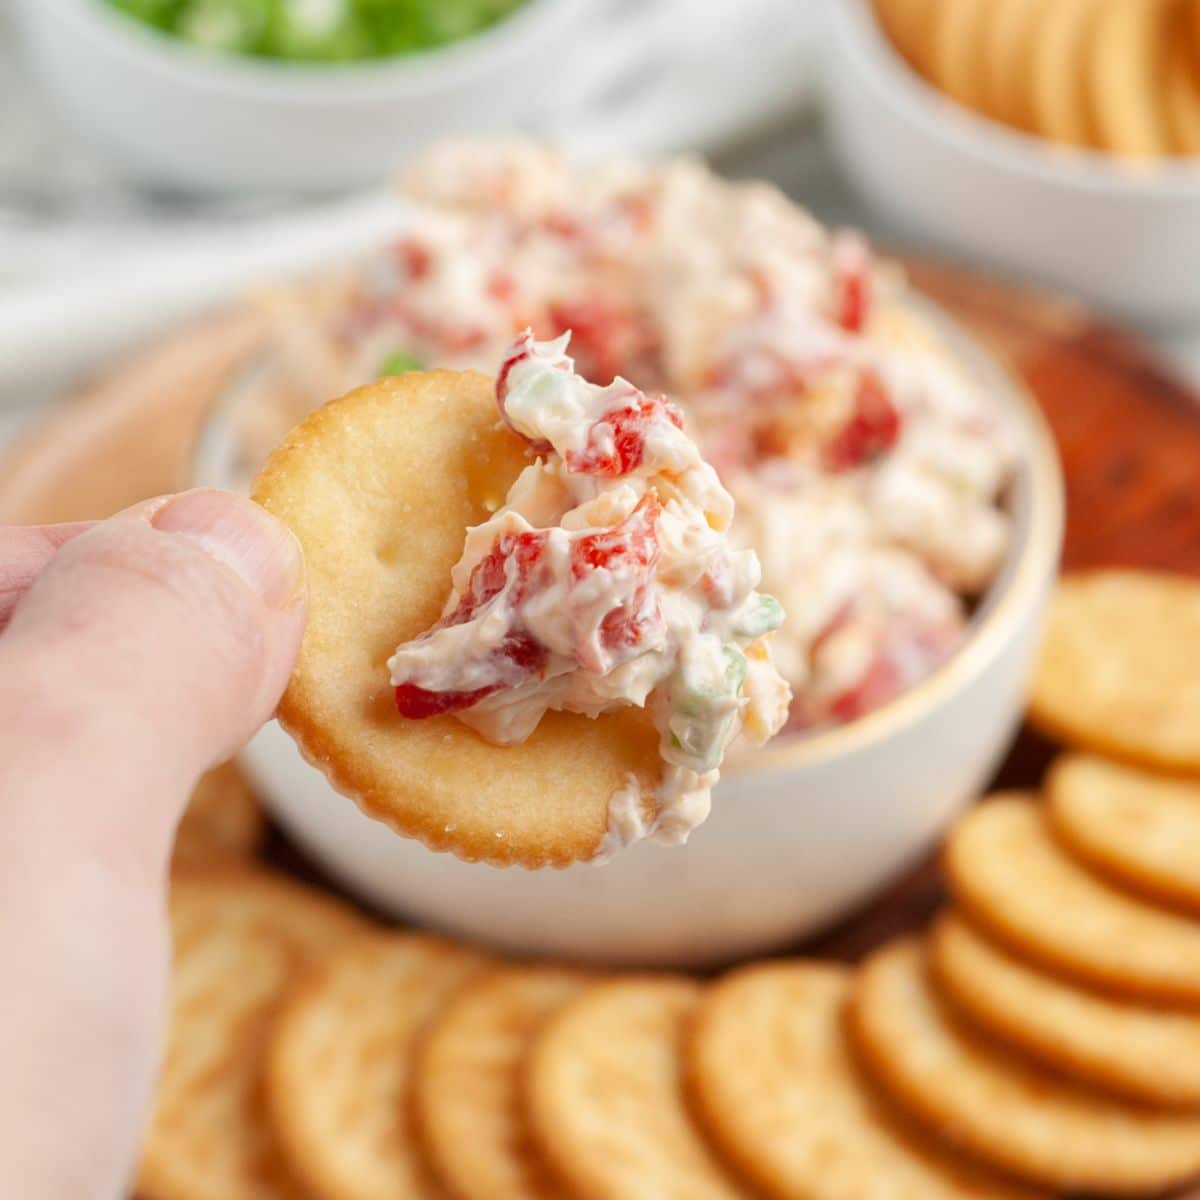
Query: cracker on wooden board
380, 487
242, 939
998, 1105
339, 1067
1147, 1054
1119, 671
223, 819
1011, 876
605, 1096
777, 1088
1140, 829
467, 1088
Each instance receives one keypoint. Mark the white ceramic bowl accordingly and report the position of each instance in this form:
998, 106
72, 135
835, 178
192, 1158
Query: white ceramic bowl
1126, 238
817, 826
176, 116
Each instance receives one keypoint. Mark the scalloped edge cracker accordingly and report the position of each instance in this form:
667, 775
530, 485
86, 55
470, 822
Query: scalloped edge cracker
379, 487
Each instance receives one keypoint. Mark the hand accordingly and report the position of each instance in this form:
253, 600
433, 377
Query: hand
135, 653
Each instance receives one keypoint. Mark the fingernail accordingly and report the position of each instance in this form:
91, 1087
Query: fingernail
243, 537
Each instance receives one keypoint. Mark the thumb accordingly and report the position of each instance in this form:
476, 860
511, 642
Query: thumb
162, 637
148, 648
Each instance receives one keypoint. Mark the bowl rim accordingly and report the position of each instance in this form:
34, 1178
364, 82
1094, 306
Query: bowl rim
134, 41
857, 32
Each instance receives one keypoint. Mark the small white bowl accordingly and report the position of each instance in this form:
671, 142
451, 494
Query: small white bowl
813, 829
1125, 237
177, 116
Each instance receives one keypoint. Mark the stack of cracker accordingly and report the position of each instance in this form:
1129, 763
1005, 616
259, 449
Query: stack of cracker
1043, 1039
1122, 76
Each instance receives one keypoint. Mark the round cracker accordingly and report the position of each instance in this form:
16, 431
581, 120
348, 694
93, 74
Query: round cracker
909, 23
777, 1089
999, 1106
959, 39
241, 940
380, 487
1125, 63
1181, 86
605, 1098
1141, 830
1119, 671
1145, 1054
339, 1067
1006, 56
1059, 107
223, 819
467, 1088
1014, 880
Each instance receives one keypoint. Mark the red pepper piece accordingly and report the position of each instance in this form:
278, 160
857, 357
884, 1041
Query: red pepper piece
418, 703
414, 257
853, 291
881, 683
490, 575
628, 426
629, 547
872, 430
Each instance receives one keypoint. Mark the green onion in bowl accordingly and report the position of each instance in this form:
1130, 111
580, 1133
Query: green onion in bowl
318, 30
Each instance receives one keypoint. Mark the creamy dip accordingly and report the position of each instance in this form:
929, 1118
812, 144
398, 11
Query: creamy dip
869, 468
606, 579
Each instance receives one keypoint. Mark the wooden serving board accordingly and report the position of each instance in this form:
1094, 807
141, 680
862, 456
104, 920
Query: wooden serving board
1128, 433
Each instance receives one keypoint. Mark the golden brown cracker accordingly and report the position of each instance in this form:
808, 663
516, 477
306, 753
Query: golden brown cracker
909, 25
339, 1068
223, 819
1146, 1054
1181, 83
999, 1106
1127, 53
776, 1087
959, 39
380, 487
1015, 881
1141, 830
467, 1088
1059, 49
605, 1097
242, 938
1119, 671
1006, 59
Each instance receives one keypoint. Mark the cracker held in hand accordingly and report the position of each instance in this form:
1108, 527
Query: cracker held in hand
242, 938
1014, 880
550, 602
1148, 1054
468, 1093
1141, 830
223, 820
340, 1065
997, 1105
605, 1096
776, 1087
1120, 668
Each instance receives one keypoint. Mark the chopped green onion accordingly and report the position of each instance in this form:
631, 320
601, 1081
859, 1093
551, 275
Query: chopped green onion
759, 615
400, 362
